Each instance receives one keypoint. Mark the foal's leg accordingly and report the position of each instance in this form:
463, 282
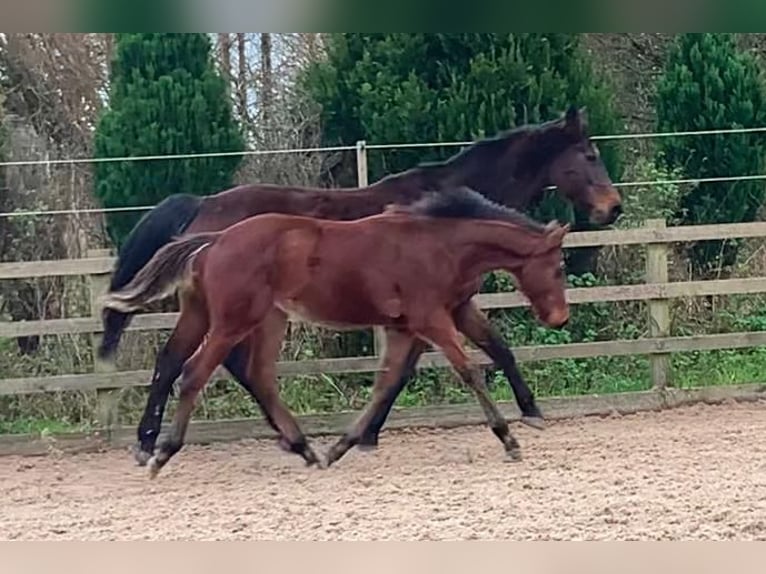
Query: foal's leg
196, 372
443, 333
265, 344
475, 325
398, 346
186, 337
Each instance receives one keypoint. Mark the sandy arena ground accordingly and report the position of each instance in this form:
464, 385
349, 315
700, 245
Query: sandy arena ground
690, 473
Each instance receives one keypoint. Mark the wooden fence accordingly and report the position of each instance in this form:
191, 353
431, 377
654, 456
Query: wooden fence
657, 291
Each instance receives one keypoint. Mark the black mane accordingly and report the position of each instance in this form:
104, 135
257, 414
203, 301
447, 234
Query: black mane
546, 136
465, 203
487, 166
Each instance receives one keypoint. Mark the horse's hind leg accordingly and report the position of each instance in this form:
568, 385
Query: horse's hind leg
237, 362
369, 440
475, 325
186, 337
442, 332
195, 374
265, 343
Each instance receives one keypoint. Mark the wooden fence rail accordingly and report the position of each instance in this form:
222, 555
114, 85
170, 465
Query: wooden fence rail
657, 291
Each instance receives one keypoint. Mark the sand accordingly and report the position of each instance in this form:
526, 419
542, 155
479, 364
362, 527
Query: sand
693, 473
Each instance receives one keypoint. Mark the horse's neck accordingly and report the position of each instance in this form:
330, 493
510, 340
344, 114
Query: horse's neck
481, 247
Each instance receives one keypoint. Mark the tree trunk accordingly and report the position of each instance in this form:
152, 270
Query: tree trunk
312, 45
266, 76
242, 78
224, 45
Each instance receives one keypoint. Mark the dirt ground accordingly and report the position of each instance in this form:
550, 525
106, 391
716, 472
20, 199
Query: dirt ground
690, 473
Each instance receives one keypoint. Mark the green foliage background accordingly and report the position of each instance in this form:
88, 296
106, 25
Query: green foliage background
166, 98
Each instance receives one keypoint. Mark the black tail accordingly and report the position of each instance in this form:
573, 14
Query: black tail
156, 228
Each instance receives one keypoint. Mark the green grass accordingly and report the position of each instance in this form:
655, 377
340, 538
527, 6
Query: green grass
37, 426
325, 394
65, 411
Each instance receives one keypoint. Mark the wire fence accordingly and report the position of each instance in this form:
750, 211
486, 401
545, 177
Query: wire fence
389, 146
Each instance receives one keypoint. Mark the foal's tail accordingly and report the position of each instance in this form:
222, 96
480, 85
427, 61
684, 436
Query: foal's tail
160, 276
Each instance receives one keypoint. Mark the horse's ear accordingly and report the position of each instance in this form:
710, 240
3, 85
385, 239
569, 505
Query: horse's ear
576, 119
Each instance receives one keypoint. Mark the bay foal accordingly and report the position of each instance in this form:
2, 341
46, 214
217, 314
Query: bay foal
405, 270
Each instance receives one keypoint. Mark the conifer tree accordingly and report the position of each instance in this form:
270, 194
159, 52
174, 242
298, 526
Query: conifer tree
708, 83
165, 98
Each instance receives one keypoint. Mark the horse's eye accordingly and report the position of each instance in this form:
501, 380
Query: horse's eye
590, 157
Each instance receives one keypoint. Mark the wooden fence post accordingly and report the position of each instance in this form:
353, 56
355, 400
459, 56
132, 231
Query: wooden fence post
658, 309
107, 400
362, 181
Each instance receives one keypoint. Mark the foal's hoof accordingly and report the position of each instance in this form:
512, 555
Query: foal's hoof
513, 455
318, 463
534, 422
312, 459
333, 455
154, 467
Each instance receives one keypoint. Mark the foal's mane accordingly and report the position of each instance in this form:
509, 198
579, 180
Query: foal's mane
465, 203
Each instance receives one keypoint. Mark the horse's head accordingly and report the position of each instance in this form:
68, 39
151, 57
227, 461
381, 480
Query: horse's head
580, 174
541, 277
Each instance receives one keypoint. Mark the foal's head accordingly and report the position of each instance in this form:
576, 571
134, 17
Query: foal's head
580, 174
541, 277
538, 258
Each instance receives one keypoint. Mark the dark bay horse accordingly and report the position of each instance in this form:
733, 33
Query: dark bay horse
512, 168
405, 270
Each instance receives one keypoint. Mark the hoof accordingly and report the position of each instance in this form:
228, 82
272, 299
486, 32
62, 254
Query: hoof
284, 444
534, 422
513, 455
311, 458
154, 467
367, 447
336, 451
330, 458
141, 456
